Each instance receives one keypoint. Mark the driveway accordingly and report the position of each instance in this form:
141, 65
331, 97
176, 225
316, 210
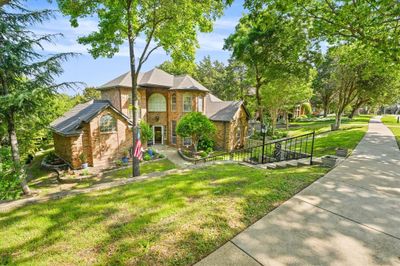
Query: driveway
351, 216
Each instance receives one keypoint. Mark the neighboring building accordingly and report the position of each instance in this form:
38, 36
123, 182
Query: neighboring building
102, 129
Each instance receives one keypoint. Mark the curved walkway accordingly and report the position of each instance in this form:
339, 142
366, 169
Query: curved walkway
351, 216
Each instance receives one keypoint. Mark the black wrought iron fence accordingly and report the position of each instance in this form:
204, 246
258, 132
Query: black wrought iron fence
291, 148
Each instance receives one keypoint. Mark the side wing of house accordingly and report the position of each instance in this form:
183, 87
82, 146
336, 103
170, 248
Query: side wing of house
95, 129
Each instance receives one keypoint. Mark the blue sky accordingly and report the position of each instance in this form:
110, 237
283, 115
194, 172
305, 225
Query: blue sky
96, 72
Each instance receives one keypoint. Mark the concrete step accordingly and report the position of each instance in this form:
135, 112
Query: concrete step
317, 161
303, 162
281, 165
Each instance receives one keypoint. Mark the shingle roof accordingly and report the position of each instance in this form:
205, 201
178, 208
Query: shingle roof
153, 78
186, 82
218, 110
156, 78
69, 123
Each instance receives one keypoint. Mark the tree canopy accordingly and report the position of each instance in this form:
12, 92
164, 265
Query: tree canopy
27, 77
270, 44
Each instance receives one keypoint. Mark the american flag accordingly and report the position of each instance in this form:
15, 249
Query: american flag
138, 150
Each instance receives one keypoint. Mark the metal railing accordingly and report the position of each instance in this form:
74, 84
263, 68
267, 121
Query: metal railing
291, 148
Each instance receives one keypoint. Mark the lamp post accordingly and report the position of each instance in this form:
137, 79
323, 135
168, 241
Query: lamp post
263, 131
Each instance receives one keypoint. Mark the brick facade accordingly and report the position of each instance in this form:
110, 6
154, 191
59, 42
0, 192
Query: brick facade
103, 148
100, 148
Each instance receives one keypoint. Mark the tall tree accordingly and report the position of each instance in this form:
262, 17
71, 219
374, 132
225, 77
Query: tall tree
26, 76
323, 86
358, 73
168, 24
281, 95
269, 44
373, 23
212, 75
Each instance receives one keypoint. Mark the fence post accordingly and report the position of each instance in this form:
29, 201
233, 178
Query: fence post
312, 148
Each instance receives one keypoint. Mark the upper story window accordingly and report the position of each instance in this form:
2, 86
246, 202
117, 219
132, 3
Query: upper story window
200, 107
187, 103
157, 103
173, 102
108, 124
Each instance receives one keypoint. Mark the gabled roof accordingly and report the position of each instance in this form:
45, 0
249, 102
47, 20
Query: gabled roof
218, 110
69, 124
186, 82
153, 78
156, 78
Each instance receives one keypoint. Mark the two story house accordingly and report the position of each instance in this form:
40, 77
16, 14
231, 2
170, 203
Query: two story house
101, 129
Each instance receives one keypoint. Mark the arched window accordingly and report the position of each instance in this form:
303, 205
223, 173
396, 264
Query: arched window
157, 103
108, 124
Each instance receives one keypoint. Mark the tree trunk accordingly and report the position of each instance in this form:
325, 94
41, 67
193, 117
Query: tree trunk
15, 153
273, 122
353, 112
338, 120
325, 110
287, 120
135, 161
259, 106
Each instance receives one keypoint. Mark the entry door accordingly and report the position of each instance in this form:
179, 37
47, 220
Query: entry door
158, 135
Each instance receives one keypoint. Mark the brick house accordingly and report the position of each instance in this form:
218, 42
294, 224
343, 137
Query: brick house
101, 129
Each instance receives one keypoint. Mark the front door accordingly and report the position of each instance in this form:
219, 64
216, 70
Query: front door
158, 135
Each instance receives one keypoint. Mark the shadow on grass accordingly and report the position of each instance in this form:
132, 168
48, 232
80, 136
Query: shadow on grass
177, 219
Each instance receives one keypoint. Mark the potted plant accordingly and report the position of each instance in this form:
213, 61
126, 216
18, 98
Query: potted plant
83, 159
125, 158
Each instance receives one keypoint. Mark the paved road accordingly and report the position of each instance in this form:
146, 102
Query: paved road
351, 216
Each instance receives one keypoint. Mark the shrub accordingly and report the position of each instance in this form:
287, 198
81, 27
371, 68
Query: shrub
205, 143
195, 125
147, 157
161, 156
83, 158
85, 172
280, 134
119, 163
203, 154
146, 133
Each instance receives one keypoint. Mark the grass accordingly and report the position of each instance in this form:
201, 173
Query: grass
326, 144
44, 181
299, 128
175, 220
326, 141
391, 122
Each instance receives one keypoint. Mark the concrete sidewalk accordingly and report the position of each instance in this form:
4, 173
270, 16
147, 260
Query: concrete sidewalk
351, 216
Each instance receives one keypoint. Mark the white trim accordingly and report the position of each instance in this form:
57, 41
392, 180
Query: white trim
162, 134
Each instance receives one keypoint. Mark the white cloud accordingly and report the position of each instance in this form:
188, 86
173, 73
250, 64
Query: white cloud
211, 41
226, 23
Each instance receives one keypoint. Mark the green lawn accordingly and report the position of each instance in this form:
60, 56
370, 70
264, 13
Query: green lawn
299, 128
44, 180
391, 122
327, 143
175, 220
